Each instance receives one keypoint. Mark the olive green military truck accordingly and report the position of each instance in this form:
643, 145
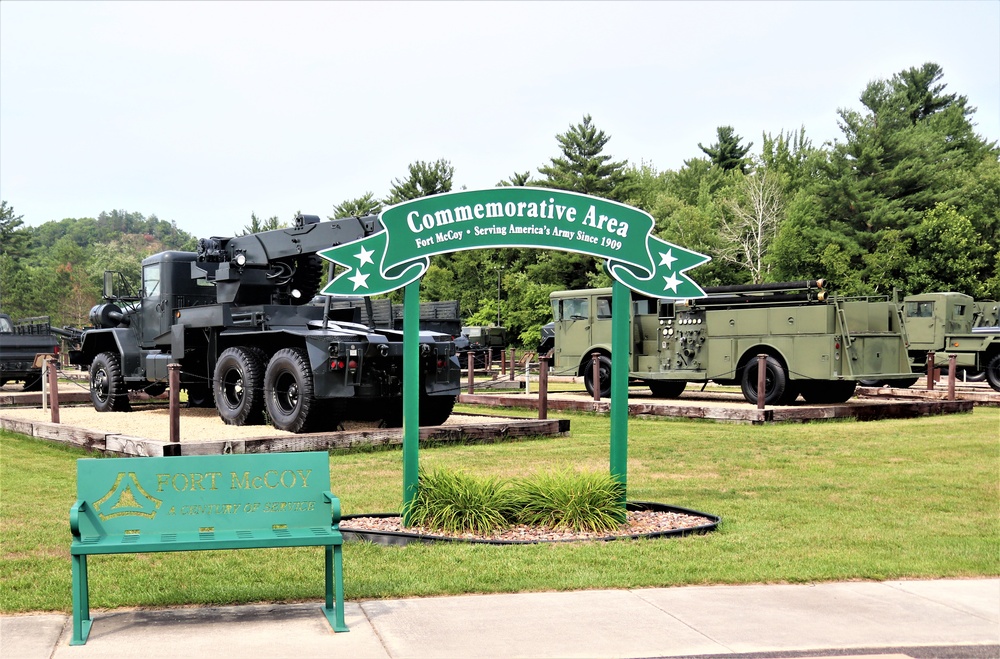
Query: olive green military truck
816, 344
954, 324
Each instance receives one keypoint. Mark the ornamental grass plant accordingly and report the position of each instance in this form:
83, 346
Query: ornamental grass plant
587, 501
453, 501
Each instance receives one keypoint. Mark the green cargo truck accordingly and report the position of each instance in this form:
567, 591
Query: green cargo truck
816, 344
954, 324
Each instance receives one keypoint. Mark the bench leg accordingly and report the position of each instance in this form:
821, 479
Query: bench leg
335, 585
81, 601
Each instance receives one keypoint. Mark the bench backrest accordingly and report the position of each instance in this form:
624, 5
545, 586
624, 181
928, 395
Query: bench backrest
204, 493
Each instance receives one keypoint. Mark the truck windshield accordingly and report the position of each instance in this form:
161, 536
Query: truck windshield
577, 308
603, 308
151, 280
919, 309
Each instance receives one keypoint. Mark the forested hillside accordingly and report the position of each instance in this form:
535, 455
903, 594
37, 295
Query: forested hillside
908, 198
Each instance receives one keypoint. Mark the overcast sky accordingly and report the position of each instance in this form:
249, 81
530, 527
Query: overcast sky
203, 112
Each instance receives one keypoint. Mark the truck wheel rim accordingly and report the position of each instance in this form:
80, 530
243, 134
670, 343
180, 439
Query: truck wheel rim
100, 385
286, 393
232, 388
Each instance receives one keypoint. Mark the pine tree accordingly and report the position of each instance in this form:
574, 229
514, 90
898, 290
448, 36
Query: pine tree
727, 152
582, 167
425, 179
366, 204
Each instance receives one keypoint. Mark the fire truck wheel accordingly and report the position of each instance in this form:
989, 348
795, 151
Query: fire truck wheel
993, 371
667, 389
775, 381
603, 373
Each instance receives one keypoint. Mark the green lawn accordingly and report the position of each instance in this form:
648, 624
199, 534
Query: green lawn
915, 498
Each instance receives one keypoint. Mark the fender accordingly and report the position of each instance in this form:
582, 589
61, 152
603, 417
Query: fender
120, 340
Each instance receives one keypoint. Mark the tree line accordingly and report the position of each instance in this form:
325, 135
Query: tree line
907, 200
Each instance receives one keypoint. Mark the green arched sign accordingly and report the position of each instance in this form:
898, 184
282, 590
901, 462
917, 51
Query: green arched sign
535, 218
513, 217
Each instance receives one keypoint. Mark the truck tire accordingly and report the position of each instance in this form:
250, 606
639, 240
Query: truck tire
435, 410
34, 382
666, 389
823, 392
775, 381
155, 389
902, 384
288, 390
993, 371
239, 387
200, 395
603, 373
107, 384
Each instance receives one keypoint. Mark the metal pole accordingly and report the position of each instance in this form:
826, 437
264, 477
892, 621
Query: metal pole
951, 376
54, 388
411, 396
930, 371
543, 388
761, 380
45, 390
621, 334
499, 270
472, 372
595, 374
513, 362
174, 384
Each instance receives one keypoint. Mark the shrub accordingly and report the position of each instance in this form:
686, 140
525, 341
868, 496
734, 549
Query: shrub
578, 501
453, 501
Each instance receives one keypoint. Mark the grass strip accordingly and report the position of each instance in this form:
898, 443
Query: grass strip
839, 500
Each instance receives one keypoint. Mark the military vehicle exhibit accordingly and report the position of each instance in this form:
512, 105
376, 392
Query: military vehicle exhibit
235, 316
954, 324
816, 344
20, 342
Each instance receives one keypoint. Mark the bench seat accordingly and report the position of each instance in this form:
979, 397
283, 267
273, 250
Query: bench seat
201, 503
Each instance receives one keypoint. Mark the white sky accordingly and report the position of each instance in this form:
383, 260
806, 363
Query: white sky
203, 112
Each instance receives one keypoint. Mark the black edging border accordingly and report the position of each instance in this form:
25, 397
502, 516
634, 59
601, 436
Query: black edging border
400, 538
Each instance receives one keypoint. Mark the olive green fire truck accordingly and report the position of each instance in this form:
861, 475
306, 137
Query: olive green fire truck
817, 344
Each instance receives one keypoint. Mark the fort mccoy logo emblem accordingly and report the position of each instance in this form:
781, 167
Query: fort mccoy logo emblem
127, 498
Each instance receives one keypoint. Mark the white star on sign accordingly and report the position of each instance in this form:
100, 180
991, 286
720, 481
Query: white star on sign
365, 256
359, 280
668, 258
672, 282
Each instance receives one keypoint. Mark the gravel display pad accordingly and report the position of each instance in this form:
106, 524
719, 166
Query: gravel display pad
646, 519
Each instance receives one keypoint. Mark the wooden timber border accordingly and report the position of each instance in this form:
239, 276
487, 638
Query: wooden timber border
127, 445
981, 396
691, 407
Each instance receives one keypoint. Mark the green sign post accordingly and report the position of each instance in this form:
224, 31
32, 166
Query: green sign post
535, 218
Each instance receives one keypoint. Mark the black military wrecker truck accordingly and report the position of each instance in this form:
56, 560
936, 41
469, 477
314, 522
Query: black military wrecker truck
235, 316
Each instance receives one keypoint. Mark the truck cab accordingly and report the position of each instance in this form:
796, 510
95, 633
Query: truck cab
933, 316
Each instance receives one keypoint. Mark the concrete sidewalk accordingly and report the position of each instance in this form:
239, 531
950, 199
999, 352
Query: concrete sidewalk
782, 620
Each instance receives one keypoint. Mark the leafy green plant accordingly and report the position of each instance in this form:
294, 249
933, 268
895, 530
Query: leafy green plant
453, 501
587, 501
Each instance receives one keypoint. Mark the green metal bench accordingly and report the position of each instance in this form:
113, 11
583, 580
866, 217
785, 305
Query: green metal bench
190, 503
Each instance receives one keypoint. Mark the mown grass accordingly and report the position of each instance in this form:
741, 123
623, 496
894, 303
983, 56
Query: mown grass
915, 498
